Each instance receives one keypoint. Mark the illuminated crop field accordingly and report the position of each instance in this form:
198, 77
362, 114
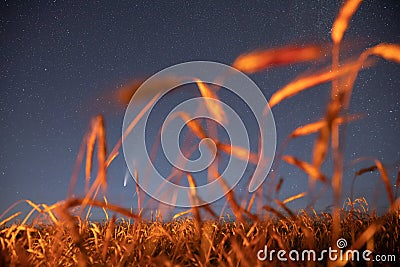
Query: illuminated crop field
269, 138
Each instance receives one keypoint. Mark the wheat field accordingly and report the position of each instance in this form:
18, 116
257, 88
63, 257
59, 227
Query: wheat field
63, 234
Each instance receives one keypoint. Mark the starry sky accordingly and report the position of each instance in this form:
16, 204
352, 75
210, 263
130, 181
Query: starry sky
63, 61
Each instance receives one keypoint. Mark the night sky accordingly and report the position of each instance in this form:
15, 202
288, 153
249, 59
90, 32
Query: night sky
63, 61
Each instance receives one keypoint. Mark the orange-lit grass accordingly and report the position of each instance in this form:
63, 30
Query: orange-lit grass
310, 81
339, 27
215, 109
69, 240
263, 59
306, 167
118, 242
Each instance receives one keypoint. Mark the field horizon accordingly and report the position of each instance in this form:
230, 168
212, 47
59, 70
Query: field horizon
223, 181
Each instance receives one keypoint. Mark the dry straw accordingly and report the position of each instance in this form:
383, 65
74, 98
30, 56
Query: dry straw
59, 235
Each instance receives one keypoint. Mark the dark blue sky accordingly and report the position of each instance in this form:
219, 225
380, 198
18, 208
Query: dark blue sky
62, 60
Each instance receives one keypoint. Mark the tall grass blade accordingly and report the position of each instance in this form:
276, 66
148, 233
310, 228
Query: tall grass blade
386, 180
263, 59
216, 110
289, 199
317, 126
89, 150
10, 218
306, 167
341, 23
307, 82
